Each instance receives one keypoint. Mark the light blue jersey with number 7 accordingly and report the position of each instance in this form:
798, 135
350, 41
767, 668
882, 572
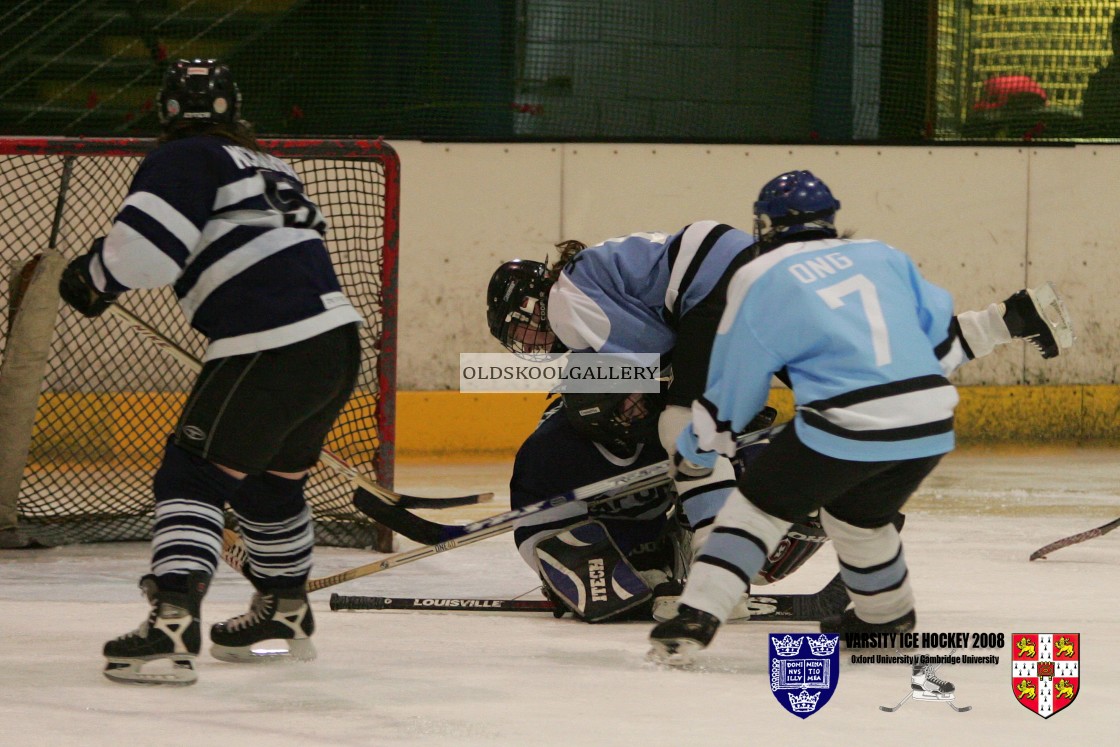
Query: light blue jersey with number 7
862, 336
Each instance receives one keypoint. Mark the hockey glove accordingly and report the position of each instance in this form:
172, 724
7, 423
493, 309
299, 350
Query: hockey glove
77, 289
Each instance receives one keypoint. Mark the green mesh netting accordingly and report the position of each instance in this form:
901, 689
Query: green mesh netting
718, 70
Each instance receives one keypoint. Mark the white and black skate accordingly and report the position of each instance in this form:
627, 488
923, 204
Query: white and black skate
1039, 316
163, 649
925, 685
277, 627
677, 641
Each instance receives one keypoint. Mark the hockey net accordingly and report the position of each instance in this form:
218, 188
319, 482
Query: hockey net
110, 398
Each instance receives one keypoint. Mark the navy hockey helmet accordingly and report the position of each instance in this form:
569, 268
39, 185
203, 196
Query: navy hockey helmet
517, 306
620, 421
199, 91
794, 203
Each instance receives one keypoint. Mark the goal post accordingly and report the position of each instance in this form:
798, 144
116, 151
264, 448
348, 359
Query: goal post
108, 398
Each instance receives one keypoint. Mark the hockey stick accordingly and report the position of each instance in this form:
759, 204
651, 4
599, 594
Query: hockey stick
234, 552
336, 463
424, 531
1088, 534
830, 600
344, 602
428, 532
892, 709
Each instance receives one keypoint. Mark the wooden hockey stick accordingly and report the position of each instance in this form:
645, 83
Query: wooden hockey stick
338, 464
830, 600
1088, 534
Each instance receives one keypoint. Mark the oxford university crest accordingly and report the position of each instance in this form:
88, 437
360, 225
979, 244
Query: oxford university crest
804, 670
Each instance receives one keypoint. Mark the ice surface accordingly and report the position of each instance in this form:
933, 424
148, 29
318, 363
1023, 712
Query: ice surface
464, 679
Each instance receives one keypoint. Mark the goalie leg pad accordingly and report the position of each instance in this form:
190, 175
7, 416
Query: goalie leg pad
585, 571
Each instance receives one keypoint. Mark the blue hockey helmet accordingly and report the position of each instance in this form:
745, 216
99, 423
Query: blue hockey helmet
791, 204
199, 91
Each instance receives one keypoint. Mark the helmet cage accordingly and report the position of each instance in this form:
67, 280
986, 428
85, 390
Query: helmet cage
517, 307
620, 421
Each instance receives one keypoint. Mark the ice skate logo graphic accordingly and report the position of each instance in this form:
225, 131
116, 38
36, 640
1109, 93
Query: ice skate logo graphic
803, 677
926, 686
1045, 670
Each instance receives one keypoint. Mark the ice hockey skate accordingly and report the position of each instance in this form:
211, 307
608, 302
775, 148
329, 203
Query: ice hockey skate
281, 617
677, 641
163, 649
926, 685
1039, 316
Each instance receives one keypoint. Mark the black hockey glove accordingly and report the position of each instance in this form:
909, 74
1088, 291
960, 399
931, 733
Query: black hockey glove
77, 289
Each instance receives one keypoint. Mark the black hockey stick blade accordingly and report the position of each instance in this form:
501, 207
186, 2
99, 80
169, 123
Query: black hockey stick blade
831, 600
398, 518
420, 501
1088, 534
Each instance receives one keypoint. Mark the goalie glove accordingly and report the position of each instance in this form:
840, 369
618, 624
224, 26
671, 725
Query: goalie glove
77, 289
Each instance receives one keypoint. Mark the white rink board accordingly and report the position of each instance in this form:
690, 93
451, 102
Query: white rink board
473, 680
983, 222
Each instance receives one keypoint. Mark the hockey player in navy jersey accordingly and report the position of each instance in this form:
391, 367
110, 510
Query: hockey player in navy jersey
866, 344
661, 293
230, 228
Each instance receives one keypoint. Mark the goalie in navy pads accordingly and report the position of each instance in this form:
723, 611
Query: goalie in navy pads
866, 343
231, 229
625, 561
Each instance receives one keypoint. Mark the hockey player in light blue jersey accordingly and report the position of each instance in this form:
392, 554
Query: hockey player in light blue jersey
231, 229
866, 344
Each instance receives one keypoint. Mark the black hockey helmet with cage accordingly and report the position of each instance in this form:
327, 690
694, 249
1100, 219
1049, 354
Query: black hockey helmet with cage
200, 91
517, 307
620, 421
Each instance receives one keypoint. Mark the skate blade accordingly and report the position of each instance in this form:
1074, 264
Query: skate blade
673, 653
1054, 312
259, 653
177, 671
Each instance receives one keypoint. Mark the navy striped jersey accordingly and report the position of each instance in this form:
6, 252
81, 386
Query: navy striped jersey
866, 341
626, 294
232, 230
